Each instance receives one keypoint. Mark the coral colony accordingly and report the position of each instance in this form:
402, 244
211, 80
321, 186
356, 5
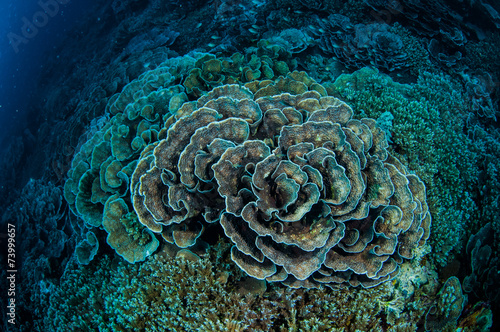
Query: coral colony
307, 195
265, 166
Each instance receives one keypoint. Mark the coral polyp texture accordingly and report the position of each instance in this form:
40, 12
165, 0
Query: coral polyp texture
307, 194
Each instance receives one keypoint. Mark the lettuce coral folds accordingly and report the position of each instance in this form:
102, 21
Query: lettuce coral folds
306, 194
258, 165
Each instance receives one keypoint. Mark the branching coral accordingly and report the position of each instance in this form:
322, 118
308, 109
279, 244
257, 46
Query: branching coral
306, 194
428, 136
179, 294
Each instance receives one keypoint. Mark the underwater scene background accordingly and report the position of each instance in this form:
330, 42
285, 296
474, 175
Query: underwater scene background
229, 165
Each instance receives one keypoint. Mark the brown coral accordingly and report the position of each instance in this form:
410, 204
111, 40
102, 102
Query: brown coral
307, 194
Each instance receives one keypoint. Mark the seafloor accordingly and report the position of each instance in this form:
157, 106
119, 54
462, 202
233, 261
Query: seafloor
228, 165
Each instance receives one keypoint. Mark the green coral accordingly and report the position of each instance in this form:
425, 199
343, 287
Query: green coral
449, 305
188, 293
264, 63
87, 249
125, 234
428, 136
100, 172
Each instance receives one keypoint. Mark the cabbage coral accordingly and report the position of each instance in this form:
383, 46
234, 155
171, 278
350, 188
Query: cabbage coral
306, 194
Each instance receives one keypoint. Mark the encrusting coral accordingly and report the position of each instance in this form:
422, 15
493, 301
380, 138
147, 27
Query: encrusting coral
307, 194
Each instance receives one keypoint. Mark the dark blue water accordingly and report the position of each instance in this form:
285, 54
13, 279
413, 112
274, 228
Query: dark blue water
29, 30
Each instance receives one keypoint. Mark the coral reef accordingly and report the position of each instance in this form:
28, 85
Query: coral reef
101, 169
263, 186
44, 241
359, 45
448, 26
484, 277
312, 195
448, 307
306, 194
427, 134
97, 188
175, 292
